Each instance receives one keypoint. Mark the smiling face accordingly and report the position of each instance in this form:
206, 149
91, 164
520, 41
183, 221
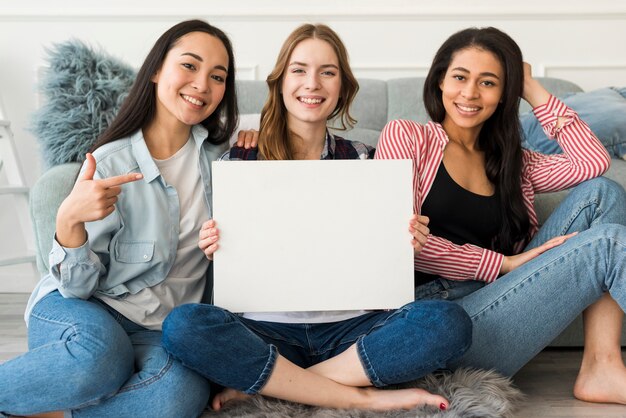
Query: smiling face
311, 84
191, 81
471, 90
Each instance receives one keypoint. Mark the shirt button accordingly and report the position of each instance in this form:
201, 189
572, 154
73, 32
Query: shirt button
145, 256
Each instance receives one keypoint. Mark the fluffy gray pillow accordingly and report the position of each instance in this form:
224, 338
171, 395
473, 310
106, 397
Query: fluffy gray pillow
82, 89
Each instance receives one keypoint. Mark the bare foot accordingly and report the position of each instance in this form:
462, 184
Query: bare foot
386, 400
601, 381
227, 395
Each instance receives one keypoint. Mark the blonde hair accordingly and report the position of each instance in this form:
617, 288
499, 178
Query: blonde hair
274, 133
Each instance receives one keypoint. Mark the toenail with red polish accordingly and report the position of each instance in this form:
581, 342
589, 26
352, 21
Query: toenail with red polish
443, 406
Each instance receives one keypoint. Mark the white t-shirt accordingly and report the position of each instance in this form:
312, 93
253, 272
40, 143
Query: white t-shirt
304, 317
185, 281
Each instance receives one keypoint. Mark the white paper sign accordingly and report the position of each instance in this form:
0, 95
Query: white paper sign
313, 235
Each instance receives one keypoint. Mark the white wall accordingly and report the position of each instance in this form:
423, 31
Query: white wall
578, 40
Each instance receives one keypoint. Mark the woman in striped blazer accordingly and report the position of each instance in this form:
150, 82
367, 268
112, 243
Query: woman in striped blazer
474, 189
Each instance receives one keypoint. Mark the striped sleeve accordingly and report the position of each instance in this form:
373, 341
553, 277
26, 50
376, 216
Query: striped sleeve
400, 140
584, 157
403, 139
458, 262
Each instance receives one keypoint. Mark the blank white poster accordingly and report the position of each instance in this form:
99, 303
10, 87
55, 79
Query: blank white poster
313, 235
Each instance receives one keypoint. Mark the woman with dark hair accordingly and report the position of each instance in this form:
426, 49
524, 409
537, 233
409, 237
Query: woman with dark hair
521, 285
125, 251
330, 359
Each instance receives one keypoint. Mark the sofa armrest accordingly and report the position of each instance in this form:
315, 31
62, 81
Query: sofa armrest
46, 196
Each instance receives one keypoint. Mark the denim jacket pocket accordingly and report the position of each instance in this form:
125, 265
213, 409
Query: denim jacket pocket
134, 251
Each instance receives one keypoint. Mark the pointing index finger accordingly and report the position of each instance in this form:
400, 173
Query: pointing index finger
119, 180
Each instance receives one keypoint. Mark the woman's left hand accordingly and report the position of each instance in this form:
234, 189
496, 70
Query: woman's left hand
208, 237
418, 227
510, 263
247, 138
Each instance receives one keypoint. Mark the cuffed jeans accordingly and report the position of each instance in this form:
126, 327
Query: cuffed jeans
393, 346
520, 313
89, 361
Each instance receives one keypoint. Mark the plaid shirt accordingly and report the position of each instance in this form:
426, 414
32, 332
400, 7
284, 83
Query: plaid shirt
335, 148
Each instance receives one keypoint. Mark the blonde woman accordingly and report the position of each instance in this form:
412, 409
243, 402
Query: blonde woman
331, 359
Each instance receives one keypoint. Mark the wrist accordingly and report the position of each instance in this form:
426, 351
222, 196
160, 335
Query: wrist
535, 94
70, 233
504, 268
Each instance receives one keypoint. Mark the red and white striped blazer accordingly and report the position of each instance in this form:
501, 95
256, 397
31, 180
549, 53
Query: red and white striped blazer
583, 158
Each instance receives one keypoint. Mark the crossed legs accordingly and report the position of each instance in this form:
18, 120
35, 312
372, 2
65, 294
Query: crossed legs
330, 365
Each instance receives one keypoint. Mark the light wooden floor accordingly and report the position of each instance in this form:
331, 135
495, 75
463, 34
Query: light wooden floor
547, 380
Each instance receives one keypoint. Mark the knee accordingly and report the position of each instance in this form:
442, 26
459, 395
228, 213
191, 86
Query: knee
606, 184
602, 187
449, 324
186, 322
612, 189
188, 317
178, 325
458, 324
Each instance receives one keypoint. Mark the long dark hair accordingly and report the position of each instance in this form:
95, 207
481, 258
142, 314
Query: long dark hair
139, 108
274, 132
500, 137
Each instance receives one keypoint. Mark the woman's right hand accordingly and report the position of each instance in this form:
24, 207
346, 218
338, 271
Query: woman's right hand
247, 138
90, 200
512, 262
208, 237
418, 227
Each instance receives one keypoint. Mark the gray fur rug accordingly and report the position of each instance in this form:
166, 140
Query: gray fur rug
472, 394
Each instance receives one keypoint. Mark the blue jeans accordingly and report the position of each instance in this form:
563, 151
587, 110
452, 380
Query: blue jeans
89, 361
519, 314
393, 346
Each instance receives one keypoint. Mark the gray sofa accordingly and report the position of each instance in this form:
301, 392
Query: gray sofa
377, 102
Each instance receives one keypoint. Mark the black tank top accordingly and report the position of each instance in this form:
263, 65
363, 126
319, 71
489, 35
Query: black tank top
459, 215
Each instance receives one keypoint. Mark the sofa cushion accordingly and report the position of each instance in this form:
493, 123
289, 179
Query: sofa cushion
556, 86
370, 110
366, 136
251, 95
370, 105
403, 105
83, 89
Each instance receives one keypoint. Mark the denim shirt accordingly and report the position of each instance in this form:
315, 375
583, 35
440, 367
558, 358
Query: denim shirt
135, 246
